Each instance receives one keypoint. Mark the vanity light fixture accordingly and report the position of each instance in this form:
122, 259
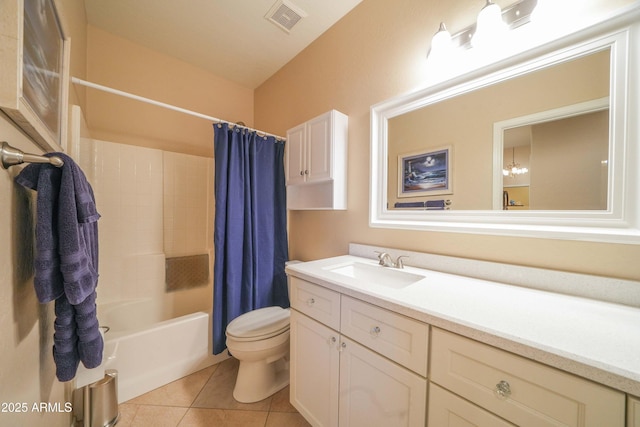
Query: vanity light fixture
490, 20
513, 168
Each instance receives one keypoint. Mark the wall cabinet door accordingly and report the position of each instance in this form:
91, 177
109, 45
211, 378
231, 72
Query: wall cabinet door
309, 151
376, 392
296, 155
319, 147
314, 370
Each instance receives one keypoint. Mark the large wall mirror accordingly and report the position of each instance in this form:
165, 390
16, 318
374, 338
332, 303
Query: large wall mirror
543, 145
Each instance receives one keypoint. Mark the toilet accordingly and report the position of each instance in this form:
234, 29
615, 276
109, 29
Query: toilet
259, 339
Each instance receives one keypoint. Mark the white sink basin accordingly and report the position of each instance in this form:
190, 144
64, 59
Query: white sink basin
376, 274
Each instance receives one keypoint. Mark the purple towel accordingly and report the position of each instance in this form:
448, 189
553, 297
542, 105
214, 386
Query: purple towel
66, 262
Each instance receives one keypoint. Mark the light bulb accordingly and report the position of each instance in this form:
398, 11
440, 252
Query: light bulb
489, 26
441, 45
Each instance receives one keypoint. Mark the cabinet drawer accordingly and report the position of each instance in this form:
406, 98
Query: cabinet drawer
533, 394
446, 409
316, 302
401, 339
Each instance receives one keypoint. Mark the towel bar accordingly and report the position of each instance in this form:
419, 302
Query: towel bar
12, 156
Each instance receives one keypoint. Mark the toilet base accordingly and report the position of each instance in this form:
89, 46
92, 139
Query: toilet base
258, 380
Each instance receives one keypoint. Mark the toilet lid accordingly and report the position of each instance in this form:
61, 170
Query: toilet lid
260, 323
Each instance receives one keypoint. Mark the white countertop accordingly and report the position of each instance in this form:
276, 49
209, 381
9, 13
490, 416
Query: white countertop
593, 339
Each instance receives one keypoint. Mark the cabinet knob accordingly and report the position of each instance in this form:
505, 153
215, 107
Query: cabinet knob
375, 331
301, 173
332, 340
342, 346
306, 172
503, 390
310, 302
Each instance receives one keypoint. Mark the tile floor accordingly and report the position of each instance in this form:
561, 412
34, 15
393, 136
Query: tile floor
205, 399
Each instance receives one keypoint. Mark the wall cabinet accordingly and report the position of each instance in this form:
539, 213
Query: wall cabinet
336, 380
316, 163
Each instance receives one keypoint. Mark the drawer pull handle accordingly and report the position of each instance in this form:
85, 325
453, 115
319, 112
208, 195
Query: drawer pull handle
503, 390
310, 302
375, 331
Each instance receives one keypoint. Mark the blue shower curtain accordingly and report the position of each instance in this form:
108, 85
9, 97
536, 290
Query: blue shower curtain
250, 236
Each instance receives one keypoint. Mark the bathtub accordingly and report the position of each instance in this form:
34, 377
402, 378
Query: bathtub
147, 351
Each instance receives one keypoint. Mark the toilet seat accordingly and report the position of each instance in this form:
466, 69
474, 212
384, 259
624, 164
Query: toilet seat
259, 324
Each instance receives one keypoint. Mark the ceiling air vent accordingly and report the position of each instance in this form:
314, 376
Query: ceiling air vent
285, 15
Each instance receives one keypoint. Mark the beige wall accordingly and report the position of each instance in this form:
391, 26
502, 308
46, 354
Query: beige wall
115, 62
27, 372
375, 52
572, 151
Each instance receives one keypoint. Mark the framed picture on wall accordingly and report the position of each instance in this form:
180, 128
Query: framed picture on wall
425, 173
35, 55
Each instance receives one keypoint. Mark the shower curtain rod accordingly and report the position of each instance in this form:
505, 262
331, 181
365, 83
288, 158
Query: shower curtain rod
165, 105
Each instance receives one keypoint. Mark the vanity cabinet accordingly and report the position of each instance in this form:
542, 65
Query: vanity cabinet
430, 346
520, 390
316, 163
336, 377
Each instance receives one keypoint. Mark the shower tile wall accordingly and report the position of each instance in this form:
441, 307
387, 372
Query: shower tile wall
138, 218
186, 186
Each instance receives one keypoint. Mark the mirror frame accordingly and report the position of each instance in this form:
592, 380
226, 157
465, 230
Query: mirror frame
620, 223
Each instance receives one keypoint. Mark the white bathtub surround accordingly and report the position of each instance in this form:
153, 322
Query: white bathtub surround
153, 204
127, 182
594, 339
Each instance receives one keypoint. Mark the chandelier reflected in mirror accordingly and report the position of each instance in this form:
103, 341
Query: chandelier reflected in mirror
514, 168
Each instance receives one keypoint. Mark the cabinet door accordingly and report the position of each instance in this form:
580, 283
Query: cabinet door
448, 410
314, 370
319, 148
376, 392
633, 411
296, 155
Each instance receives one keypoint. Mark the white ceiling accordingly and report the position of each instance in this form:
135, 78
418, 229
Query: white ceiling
229, 38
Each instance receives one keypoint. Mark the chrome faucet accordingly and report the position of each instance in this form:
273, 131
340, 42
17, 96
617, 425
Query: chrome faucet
387, 261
